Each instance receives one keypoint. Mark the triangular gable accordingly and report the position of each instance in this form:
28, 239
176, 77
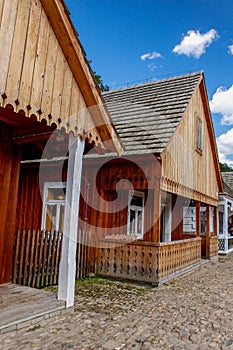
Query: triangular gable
186, 169
44, 72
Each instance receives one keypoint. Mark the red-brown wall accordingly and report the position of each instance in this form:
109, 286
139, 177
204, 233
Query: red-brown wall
9, 175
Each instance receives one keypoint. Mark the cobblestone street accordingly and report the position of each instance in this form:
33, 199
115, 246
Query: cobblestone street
194, 311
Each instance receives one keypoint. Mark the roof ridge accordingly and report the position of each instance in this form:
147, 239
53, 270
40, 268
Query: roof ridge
194, 74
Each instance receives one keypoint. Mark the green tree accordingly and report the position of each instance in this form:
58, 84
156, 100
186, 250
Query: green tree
224, 167
100, 83
99, 80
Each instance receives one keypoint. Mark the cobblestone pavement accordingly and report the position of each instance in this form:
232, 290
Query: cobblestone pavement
194, 311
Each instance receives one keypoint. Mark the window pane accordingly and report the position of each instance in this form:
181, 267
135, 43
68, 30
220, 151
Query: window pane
50, 223
137, 201
139, 222
56, 193
132, 221
61, 219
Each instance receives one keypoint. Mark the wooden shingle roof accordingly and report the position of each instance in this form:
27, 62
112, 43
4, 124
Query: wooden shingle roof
227, 178
146, 116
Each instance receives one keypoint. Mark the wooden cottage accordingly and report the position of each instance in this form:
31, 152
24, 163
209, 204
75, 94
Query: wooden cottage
50, 107
153, 212
225, 212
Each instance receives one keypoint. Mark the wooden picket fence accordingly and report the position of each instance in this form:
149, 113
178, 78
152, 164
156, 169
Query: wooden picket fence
37, 256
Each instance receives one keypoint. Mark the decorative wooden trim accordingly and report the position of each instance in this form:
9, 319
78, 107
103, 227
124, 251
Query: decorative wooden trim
181, 190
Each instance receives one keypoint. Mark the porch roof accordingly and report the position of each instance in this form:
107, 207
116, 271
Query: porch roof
147, 115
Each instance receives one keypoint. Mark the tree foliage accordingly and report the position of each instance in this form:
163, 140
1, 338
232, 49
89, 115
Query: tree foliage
99, 80
100, 83
224, 167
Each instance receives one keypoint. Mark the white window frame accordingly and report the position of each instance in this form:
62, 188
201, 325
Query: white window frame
57, 202
199, 134
136, 209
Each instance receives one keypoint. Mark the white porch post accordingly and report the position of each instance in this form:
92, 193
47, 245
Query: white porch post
225, 224
67, 268
168, 218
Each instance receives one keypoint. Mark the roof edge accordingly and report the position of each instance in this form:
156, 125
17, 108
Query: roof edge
58, 16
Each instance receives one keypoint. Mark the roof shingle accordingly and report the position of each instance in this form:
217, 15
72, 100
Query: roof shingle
146, 116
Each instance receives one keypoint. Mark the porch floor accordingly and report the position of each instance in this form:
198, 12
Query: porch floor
24, 306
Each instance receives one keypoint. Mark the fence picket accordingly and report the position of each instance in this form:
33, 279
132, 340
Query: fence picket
16, 257
35, 264
37, 255
31, 258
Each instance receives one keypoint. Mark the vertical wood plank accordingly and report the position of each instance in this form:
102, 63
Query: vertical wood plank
26, 257
45, 259
6, 38
32, 251
74, 116
36, 263
40, 63
49, 270
18, 51
53, 255
49, 75
21, 257
39, 270
16, 262
30, 55
1, 11
58, 85
66, 92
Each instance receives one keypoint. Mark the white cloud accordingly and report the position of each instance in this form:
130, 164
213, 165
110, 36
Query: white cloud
225, 147
230, 49
150, 55
222, 102
194, 43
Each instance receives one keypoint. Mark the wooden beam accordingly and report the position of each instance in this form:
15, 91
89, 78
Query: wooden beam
215, 221
198, 219
67, 267
156, 213
207, 231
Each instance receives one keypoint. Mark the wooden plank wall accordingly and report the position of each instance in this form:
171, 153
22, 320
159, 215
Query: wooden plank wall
183, 164
109, 190
35, 75
30, 198
9, 174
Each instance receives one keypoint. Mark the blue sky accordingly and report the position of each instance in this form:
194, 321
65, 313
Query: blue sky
129, 41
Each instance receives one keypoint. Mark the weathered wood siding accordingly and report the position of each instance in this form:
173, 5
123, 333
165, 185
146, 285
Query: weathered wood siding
35, 75
186, 170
